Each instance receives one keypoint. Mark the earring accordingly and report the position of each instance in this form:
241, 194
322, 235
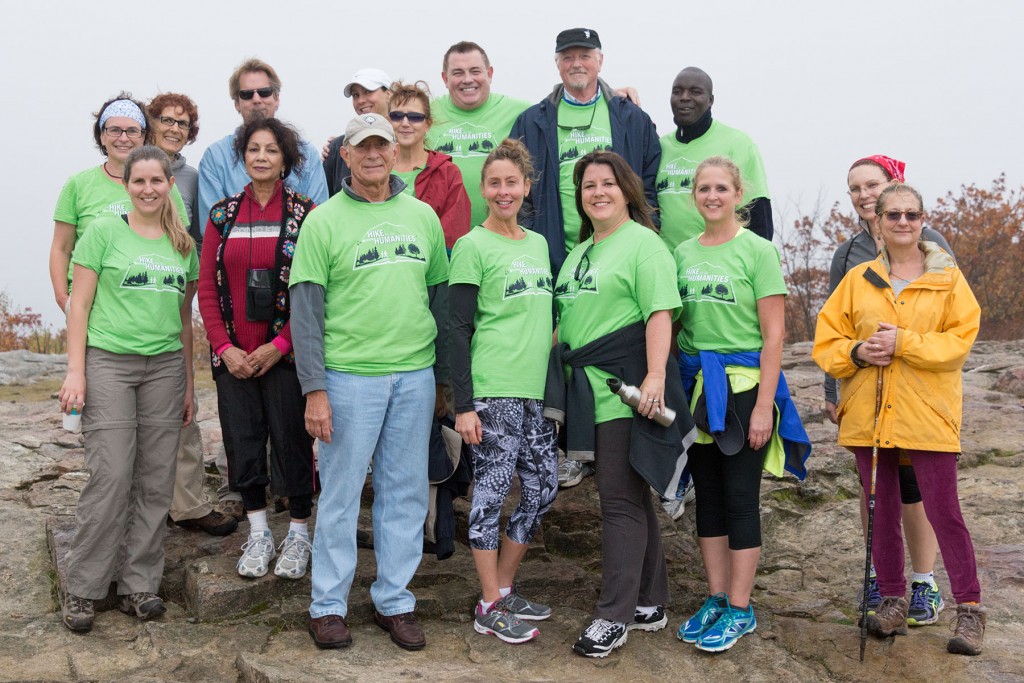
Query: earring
282, 173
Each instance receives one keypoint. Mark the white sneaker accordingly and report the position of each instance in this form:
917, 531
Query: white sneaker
257, 552
294, 559
675, 507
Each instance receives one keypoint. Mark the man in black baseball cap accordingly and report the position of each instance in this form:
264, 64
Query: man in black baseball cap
577, 37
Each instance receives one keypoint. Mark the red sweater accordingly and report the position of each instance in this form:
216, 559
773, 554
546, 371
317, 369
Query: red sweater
241, 253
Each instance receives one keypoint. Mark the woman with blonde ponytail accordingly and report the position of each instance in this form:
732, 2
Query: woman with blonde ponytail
130, 377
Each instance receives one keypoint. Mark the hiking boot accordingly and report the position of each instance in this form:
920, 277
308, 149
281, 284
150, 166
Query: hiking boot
257, 552
694, 627
294, 558
572, 472
231, 508
77, 614
145, 606
925, 604
730, 627
890, 619
968, 630
404, 629
516, 605
214, 523
600, 638
497, 621
648, 622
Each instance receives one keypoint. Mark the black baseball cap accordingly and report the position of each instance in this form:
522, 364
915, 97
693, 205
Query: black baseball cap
577, 37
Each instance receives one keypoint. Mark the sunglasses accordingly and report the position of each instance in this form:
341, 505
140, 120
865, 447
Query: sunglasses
582, 270
895, 216
413, 116
262, 92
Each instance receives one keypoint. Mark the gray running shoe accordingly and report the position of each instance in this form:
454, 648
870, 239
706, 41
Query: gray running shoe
572, 472
515, 604
77, 613
142, 605
500, 623
257, 552
294, 556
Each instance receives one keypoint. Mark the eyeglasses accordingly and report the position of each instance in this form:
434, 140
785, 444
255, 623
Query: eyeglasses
115, 132
170, 123
413, 116
262, 92
581, 270
895, 216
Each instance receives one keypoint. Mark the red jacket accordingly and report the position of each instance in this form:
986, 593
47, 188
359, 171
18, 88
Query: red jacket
440, 185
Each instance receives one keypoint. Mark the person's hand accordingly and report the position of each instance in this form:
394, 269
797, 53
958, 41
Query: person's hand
831, 412
873, 350
885, 339
440, 403
72, 393
237, 363
326, 149
318, 416
263, 358
628, 92
468, 426
761, 424
190, 409
652, 395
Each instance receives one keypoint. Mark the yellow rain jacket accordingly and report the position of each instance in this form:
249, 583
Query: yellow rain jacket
922, 394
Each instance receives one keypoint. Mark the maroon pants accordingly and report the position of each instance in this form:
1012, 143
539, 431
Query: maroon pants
936, 477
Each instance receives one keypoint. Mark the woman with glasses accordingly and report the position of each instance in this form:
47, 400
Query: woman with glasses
615, 297
120, 127
130, 376
175, 120
429, 176
500, 299
867, 178
897, 331
243, 297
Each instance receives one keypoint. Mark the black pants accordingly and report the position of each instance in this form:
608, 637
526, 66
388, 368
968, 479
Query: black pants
729, 486
633, 568
251, 410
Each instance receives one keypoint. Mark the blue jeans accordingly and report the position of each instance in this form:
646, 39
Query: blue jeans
386, 418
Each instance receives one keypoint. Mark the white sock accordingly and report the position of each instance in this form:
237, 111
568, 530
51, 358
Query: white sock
300, 528
646, 611
485, 607
928, 578
258, 521
503, 592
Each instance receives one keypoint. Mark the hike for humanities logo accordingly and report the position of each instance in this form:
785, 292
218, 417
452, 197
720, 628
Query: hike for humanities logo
580, 142
588, 284
706, 283
527, 275
676, 177
154, 273
465, 140
386, 244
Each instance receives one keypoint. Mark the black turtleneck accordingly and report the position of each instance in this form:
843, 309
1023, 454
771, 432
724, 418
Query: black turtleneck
691, 133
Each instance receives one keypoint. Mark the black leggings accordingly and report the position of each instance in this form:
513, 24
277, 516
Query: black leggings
909, 492
729, 486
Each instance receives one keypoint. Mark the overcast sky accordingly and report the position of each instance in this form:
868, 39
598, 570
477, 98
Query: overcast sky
816, 84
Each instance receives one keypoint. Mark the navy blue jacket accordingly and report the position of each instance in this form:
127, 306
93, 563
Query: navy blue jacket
633, 136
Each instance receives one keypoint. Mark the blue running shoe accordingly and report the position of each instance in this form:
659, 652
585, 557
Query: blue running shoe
874, 595
694, 627
925, 604
730, 627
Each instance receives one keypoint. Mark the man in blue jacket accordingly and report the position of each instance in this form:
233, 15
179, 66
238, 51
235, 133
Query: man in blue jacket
581, 115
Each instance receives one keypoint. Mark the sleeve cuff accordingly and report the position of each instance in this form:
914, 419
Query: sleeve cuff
222, 348
282, 344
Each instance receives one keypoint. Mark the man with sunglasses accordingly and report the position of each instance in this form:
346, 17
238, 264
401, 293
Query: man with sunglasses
582, 114
256, 91
370, 93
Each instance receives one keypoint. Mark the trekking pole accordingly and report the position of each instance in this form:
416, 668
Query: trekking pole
871, 519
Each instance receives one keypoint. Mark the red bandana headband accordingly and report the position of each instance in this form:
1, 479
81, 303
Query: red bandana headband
892, 166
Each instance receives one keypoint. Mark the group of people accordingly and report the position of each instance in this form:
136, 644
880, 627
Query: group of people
531, 258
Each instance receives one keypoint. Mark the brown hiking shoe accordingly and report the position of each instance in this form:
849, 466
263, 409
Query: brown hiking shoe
890, 619
231, 508
968, 628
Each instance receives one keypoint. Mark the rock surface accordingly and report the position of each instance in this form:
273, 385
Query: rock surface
220, 627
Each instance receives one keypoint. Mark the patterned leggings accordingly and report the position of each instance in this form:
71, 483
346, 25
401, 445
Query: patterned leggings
516, 439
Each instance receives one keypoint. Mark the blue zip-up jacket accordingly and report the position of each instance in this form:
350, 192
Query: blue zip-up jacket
795, 441
633, 137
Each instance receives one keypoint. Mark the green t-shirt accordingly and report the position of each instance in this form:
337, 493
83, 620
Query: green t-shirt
469, 136
679, 217
139, 290
720, 286
375, 262
581, 130
512, 326
409, 178
90, 194
630, 275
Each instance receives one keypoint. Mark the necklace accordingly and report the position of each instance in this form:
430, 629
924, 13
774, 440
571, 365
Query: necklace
115, 177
